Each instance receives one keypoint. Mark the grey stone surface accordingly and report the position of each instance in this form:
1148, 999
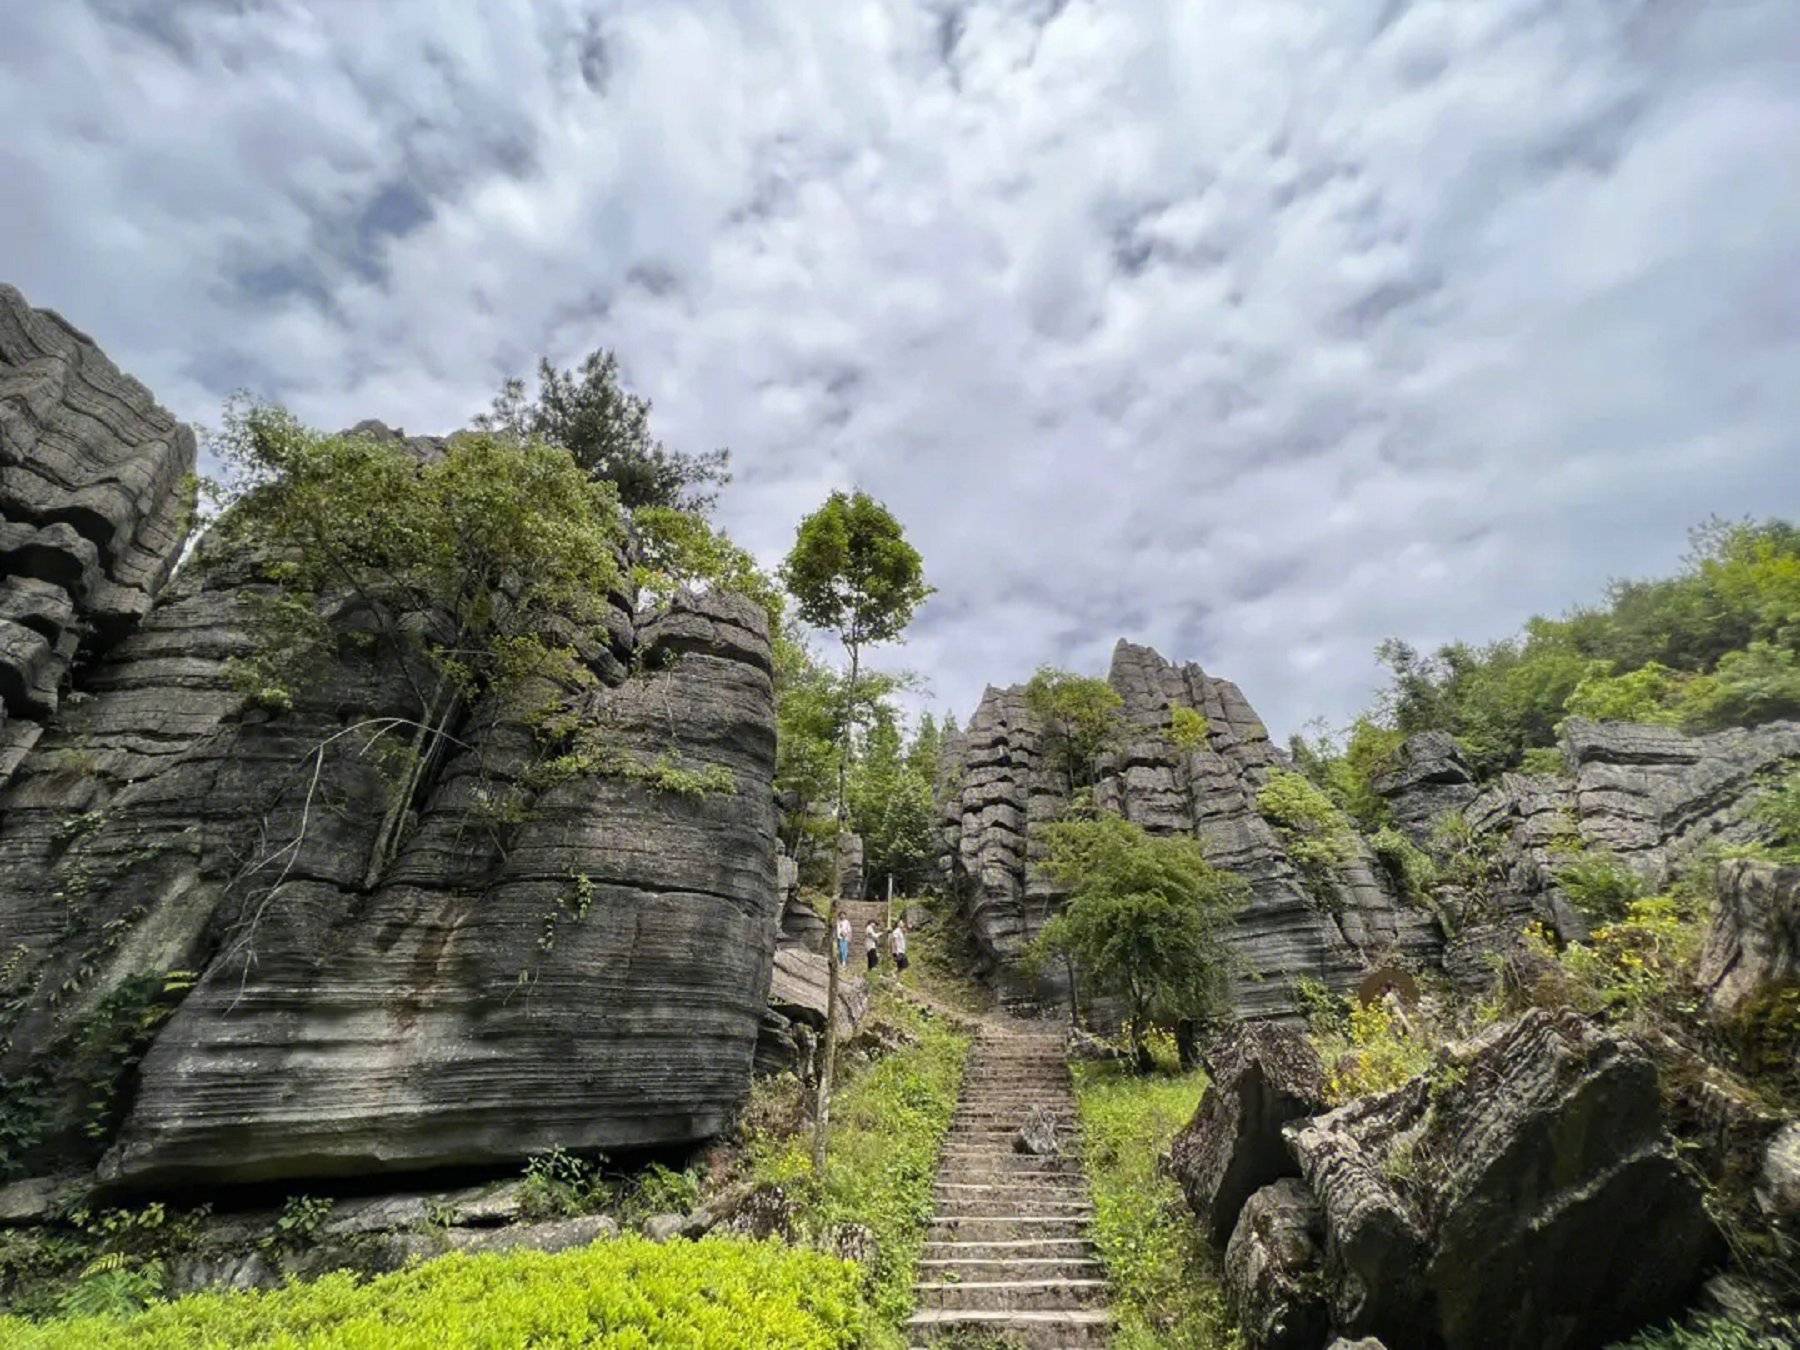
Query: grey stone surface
553, 1235
1525, 1194
663, 1227
94, 508
1261, 1077
32, 1198
456, 1013
1428, 779
998, 785
1753, 938
1778, 1183
1037, 1135
1274, 1269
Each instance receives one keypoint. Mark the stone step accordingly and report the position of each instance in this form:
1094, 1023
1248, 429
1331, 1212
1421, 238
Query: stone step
1010, 1249
1000, 1227
1074, 1329
952, 1269
1012, 1295
988, 1175
1024, 1203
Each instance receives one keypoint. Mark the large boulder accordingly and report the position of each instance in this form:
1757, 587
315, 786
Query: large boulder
1523, 1194
1753, 942
1274, 1269
1262, 1077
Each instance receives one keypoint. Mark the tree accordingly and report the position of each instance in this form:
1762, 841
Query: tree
1082, 716
457, 568
607, 429
852, 573
1144, 922
892, 806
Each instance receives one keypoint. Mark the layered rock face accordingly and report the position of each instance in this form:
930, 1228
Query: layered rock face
94, 505
1000, 785
1524, 1193
583, 963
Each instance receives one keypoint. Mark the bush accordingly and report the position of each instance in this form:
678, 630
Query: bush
1164, 1276
1626, 967
1410, 867
1715, 1333
1365, 1048
716, 1294
1315, 833
1600, 886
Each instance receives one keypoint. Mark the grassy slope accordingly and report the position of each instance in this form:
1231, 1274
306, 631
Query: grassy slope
1165, 1289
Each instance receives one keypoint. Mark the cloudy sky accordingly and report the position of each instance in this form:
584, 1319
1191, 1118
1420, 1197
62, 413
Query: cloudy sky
1256, 331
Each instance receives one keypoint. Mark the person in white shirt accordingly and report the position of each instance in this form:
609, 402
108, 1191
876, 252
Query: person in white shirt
843, 939
897, 945
872, 944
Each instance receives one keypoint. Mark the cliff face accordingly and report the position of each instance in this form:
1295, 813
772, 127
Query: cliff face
93, 509
999, 785
581, 965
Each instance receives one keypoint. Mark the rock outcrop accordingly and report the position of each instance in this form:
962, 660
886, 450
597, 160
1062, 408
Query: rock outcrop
1260, 1079
1524, 1194
95, 503
581, 961
1753, 941
1274, 1269
1428, 779
1000, 784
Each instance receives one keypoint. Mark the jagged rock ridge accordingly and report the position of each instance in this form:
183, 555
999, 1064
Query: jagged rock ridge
998, 785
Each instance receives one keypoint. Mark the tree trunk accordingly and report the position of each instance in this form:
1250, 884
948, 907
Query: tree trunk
387, 837
828, 1050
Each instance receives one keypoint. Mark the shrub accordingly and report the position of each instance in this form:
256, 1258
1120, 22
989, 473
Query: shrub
1164, 1276
1411, 868
1366, 1048
1706, 1332
1315, 833
1187, 727
716, 1294
1599, 885
1778, 810
1626, 967
1082, 715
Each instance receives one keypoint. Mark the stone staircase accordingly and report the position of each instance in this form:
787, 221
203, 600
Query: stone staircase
1007, 1256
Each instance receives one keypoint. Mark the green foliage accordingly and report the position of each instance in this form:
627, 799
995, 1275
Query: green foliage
299, 1224
893, 808
1082, 716
1708, 1332
112, 1287
888, 1119
717, 1294
1144, 922
1630, 966
1600, 886
1411, 868
1349, 774
1778, 809
659, 1190
1314, 832
560, 1185
1365, 1047
679, 549
1188, 728
113, 1038
1164, 1278
1716, 645
606, 429
24, 1120
1543, 759
852, 572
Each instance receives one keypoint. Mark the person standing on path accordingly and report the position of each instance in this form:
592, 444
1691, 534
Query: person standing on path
843, 939
872, 944
897, 945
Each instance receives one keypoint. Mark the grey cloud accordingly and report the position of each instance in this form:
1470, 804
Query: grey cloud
1258, 332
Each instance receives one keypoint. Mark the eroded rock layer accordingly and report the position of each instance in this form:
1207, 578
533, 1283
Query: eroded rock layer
94, 506
1000, 784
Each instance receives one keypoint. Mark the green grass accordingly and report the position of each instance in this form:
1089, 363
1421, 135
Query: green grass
1165, 1285
887, 1120
716, 1294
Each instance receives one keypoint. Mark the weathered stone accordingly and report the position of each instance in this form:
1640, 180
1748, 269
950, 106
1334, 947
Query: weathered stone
1427, 780
1364, 1343
851, 1242
1081, 1044
999, 784
663, 1227
1778, 1184
850, 850
33, 1198
1274, 1269
1522, 1195
1753, 941
768, 1211
554, 1235
1037, 1135
94, 508
1262, 1077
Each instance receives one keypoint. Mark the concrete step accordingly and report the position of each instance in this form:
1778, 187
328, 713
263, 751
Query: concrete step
1026, 1204
1075, 1329
1009, 1249
1012, 1295
957, 1269
1004, 1227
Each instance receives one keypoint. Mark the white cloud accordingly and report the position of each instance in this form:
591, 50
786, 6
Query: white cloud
1258, 332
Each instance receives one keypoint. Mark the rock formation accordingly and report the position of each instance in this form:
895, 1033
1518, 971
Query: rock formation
1753, 941
583, 964
998, 785
94, 505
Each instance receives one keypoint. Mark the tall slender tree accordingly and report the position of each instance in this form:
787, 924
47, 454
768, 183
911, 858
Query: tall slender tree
852, 573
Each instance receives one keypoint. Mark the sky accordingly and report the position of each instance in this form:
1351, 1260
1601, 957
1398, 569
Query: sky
1258, 332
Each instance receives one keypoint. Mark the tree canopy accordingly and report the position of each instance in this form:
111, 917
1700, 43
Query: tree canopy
1081, 714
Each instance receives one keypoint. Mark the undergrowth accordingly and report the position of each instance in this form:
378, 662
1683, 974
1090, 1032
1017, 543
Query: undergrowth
1164, 1275
888, 1118
716, 1294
